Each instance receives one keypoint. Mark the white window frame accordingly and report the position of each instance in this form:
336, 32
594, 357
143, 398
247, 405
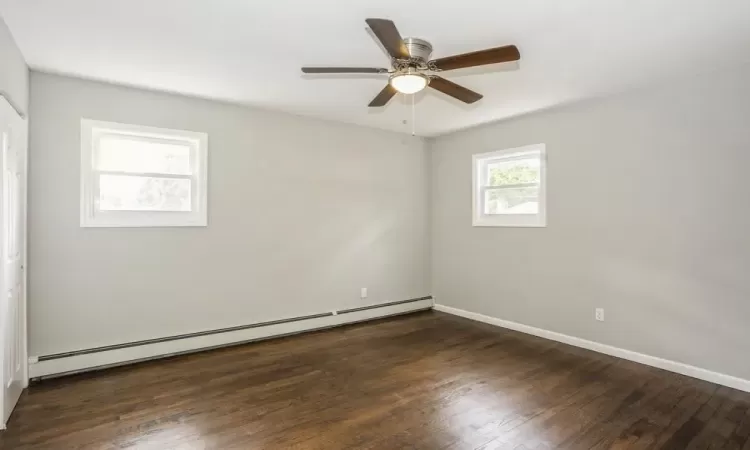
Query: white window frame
479, 187
91, 133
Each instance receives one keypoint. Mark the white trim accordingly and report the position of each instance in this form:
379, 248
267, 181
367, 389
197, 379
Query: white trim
92, 130
479, 219
161, 349
661, 363
25, 268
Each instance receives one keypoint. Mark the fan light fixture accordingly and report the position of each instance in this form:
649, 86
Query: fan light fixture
411, 68
409, 82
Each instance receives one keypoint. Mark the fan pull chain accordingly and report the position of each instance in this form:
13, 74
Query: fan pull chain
413, 117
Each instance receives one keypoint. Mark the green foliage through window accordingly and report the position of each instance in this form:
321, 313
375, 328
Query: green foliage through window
519, 172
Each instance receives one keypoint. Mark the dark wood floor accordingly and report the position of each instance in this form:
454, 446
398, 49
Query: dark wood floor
424, 381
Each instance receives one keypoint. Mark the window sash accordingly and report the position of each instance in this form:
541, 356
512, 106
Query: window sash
97, 191
482, 186
509, 186
484, 164
144, 137
154, 138
145, 174
99, 134
517, 156
486, 190
93, 216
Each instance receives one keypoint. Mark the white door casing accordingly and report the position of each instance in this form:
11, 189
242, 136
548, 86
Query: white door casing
13, 144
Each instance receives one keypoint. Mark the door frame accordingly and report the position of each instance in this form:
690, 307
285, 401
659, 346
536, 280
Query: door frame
25, 247
8, 110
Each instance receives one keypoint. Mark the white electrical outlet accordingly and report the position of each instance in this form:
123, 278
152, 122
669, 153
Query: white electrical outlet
599, 314
363, 293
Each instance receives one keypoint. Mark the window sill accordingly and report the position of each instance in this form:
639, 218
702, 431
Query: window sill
515, 221
144, 222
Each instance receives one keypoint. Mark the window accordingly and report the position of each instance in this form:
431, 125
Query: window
509, 188
134, 176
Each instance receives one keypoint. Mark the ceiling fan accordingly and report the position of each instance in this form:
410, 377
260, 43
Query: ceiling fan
411, 65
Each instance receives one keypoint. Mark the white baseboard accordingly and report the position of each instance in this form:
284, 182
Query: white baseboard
672, 366
88, 361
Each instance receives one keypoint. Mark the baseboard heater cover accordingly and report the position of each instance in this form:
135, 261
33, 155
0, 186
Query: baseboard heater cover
112, 355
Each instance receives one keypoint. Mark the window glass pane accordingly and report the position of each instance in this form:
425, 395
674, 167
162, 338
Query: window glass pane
134, 193
519, 171
512, 201
130, 154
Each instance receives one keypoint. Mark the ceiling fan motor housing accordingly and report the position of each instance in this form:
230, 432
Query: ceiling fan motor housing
418, 48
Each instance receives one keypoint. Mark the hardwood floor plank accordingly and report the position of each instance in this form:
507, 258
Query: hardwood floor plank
422, 381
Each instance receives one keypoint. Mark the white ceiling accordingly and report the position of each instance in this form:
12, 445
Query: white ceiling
250, 51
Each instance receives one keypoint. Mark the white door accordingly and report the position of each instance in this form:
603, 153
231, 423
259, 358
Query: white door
13, 131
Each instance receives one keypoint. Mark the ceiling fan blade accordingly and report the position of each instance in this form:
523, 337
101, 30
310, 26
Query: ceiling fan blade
480, 58
388, 35
343, 70
383, 97
454, 90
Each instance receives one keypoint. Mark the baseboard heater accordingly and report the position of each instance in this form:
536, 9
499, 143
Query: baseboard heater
59, 364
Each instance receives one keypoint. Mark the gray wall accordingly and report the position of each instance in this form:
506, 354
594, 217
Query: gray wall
647, 217
14, 75
302, 213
